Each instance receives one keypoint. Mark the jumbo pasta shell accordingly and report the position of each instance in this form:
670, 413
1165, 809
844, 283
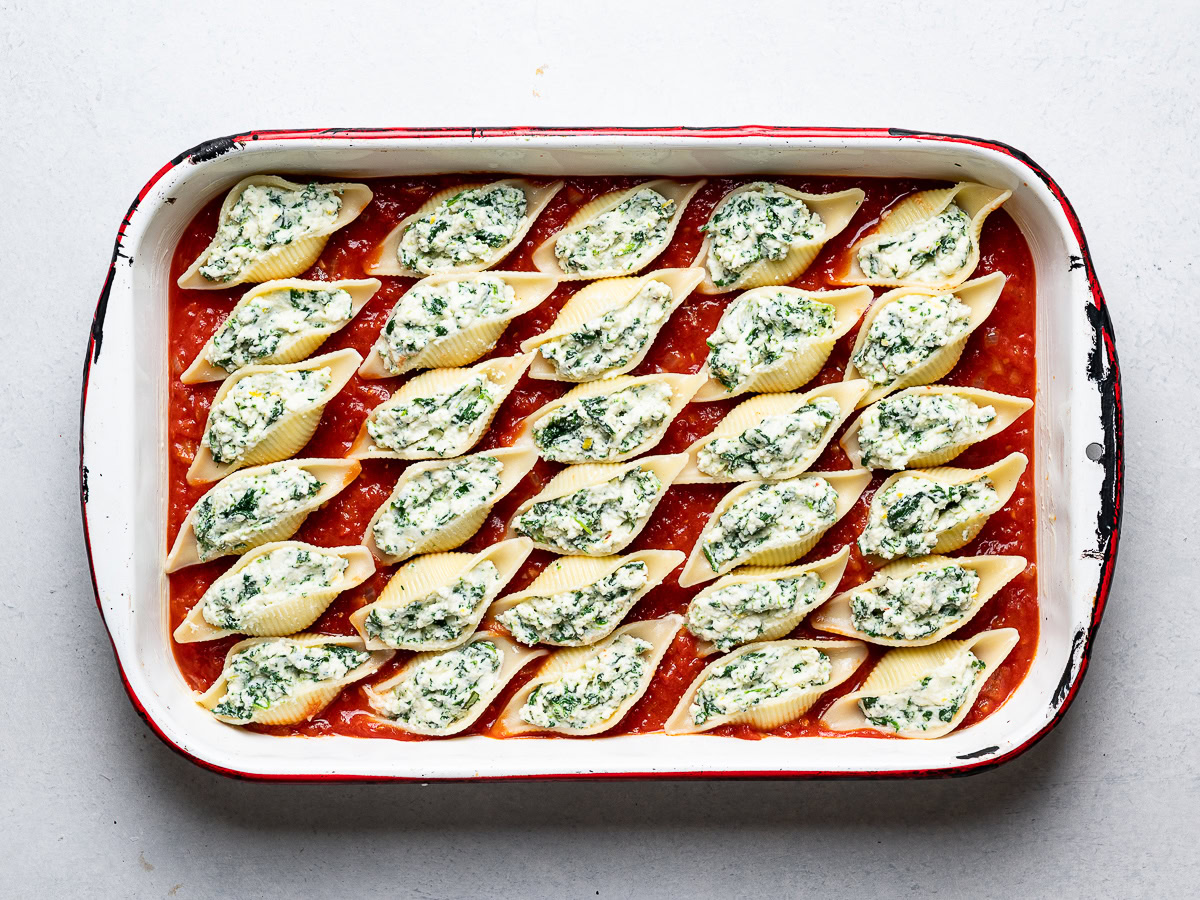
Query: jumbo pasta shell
800, 366
286, 260
575, 478
659, 633
836, 210
604, 296
978, 201
290, 432
979, 295
334, 475
289, 616
503, 372
900, 668
1008, 409
515, 465
387, 255
751, 412
545, 260
513, 658
292, 348
309, 700
848, 484
472, 342
994, 573
683, 387
572, 573
844, 656
416, 580
1004, 474
829, 570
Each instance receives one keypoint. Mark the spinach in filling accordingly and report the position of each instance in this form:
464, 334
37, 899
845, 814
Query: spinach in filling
916, 605
759, 224
935, 248
465, 229
444, 689
444, 614
579, 616
591, 694
757, 676
737, 614
907, 332
773, 445
271, 672
909, 517
603, 425
254, 332
593, 519
930, 702
615, 240
233, 515
760, 328
284, 574
769, 516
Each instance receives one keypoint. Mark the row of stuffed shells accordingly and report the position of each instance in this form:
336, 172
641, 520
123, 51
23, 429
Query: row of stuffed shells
758, 234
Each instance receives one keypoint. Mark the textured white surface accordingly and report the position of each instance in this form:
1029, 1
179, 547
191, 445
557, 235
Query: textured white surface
96, 97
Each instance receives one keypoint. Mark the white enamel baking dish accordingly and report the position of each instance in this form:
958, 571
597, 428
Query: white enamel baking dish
123, 458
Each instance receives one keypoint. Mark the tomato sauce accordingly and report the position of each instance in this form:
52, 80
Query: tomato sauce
999, 356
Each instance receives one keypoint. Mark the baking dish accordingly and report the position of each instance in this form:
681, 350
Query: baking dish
1078, 428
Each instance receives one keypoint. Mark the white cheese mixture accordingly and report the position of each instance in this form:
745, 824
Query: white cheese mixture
930, 702
465, 229
283, 575
264, 218
443, 614
604, 425
593, 520
255, 403
255, 331
932, 250
916, 605
735, 615
907, 331
759, 224
592, 693
770, 516
434, 499
773, 673
580, 616
444, 689
617, 240
440, 423
761, 328
272, 672
909, 517
230, 517
895, 430
609, 341
433, 313
771, 446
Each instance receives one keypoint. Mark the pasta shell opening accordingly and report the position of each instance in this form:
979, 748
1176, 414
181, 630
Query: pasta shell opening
835, 210
285, 260
387, 260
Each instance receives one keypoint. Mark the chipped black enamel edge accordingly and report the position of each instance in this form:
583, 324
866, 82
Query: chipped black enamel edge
986, 751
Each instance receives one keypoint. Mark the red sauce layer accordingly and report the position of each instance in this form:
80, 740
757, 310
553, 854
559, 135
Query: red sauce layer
999, 356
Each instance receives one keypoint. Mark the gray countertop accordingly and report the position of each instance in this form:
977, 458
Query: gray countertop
96, 97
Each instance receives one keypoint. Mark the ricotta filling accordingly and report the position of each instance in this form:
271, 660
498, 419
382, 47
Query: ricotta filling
592, 693
465, 229
266, 674
930, 251
594, 519
761, 328
770, 516
930, 702
264, 218
616, 240
895, 430
908, 331
754, 225
281, 576
917, 605
439, 423
612, 340
772, 446
255, 403
443, 690
915, 512
434, 313
580, 616
255, 331
444, 614
604, 425
774, 673
740, 613
433, 500
230, 517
